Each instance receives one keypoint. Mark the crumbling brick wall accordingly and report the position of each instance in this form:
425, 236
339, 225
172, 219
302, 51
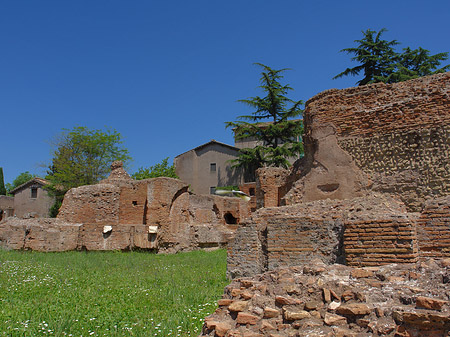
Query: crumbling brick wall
377, 242
91, 204
120, 213
434, 228
396, 134
370, 230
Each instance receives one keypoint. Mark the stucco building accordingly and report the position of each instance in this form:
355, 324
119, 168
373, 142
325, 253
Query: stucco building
6, 207
31, 200
207, 166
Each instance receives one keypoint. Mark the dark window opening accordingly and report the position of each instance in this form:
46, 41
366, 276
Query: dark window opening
212, 167
107, 235
230, 219
251, 191
34, 192
134, 203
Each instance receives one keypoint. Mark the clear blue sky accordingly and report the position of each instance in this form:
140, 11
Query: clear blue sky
167, 74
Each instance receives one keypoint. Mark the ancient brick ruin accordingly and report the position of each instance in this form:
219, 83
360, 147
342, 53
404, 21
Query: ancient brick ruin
373, 187
120, 213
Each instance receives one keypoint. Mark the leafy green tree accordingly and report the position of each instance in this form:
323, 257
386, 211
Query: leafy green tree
270, 123
19, 180
2, 183
162, 169
381, 63
376, 57
82, 157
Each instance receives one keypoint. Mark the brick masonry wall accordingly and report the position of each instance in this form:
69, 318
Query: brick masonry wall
369, 230
180, 220
397, 134
297, 240
245, 255
374, 243
133, 203
434, 228
270, 186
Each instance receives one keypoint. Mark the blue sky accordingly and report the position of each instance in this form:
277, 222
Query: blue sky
168, 74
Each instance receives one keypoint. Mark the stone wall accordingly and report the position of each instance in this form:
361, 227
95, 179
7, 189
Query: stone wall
386, 138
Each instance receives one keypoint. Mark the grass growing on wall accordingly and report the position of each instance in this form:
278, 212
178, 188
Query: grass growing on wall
108, 293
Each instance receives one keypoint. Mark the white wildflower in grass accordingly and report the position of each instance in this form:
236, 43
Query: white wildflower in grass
108, 293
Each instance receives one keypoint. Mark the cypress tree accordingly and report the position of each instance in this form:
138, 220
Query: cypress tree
2, 183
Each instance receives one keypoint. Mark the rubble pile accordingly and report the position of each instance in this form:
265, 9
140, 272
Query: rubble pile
401, 300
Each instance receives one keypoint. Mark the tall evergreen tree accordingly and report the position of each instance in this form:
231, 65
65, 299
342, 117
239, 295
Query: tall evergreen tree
414, 63
381, 63
2, 183
375, 55
270, 123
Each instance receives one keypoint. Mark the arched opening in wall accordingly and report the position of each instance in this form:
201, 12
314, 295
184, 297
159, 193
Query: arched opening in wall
230, 219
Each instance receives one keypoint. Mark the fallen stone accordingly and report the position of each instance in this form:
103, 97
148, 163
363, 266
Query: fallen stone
238, 306
332, 319
246, 318
334, 305
341, 332
270, 312
224, 302
353, 309
295, 315
281, 300
313, 305
429, 303
348, 295
266, 326
246, 295
361, 273
326, 295
222, 328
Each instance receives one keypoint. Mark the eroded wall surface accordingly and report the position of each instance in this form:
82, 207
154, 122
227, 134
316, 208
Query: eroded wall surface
392, 138
371, 230
120, 213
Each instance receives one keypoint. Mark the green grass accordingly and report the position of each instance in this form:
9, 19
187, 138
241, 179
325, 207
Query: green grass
108, 293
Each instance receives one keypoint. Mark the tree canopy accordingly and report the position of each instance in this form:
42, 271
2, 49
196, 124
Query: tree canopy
162, 169
270, 123
82, 157
379, 62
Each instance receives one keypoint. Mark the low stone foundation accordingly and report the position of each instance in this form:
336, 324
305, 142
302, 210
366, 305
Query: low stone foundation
55, 235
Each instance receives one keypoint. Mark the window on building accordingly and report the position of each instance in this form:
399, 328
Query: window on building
34, 192
251, 191
212, 190
212, 167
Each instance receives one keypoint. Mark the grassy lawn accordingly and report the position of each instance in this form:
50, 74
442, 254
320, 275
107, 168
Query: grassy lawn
108, 293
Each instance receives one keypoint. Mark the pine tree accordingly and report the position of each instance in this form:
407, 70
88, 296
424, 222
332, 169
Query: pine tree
381, 63
376, 56
271, 124
414, 63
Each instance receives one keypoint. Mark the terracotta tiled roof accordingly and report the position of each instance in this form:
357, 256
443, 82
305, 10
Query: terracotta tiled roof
35, 180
